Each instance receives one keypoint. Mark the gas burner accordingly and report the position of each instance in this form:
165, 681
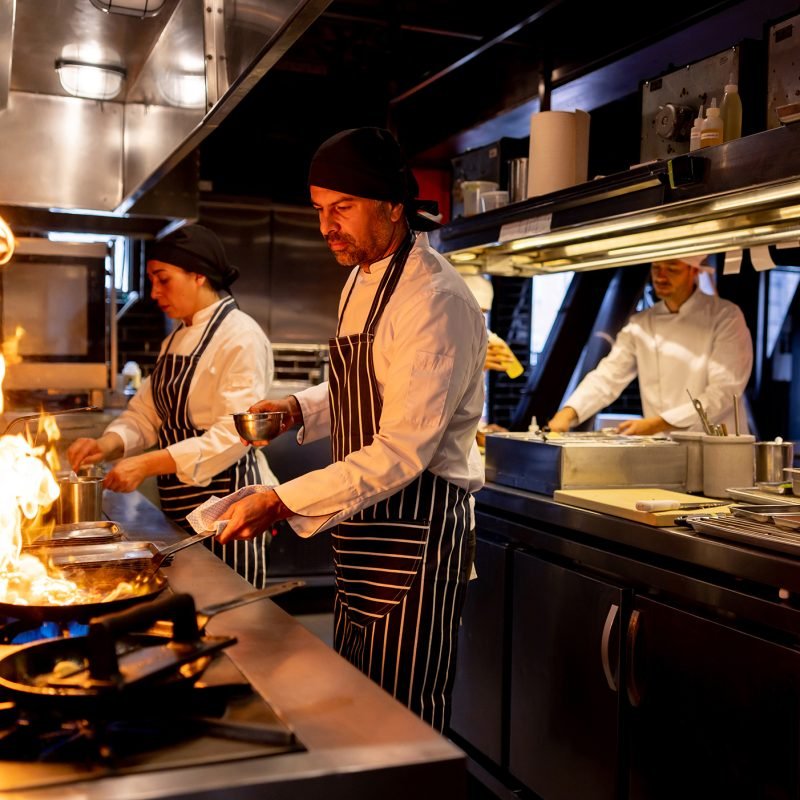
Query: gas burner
14, 631
51, 737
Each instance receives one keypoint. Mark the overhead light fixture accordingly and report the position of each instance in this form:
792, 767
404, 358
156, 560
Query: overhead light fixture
7, 243
92, 81
131, 8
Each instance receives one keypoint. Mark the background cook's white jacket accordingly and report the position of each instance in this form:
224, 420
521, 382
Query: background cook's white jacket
234, 372
704, 347
428, 352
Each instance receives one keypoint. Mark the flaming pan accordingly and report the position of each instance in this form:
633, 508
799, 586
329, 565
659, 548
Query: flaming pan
103, 569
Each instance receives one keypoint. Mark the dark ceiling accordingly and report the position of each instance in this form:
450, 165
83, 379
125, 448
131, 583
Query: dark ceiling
428, 69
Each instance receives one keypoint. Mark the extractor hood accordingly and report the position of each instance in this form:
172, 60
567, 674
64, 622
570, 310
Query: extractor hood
183, 71
738, 195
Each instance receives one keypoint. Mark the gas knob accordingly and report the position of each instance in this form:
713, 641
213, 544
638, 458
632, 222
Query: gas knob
674, 122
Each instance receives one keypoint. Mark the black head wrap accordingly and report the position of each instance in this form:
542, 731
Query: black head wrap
368, 162
195, 249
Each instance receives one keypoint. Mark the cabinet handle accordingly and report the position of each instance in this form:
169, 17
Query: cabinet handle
634, 695
609, 624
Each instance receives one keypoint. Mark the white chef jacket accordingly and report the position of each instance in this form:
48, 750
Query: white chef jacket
704, 347
428, 352
234, 372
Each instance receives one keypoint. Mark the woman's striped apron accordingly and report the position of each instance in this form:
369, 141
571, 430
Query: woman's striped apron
400, 564
171, 379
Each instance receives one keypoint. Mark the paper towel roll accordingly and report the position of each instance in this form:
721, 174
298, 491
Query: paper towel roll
559, 151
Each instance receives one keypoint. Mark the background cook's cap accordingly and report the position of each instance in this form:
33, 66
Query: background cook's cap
693, 261
482, 290
195, 249
368, 162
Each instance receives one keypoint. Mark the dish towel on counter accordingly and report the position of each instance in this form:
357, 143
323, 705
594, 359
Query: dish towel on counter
205, 516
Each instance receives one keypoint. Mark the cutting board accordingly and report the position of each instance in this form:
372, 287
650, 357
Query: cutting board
622, 503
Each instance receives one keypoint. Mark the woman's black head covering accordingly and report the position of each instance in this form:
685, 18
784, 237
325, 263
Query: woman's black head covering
368, 162
195, 249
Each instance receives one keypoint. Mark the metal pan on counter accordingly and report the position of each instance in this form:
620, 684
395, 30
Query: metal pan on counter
747, 532
79, 533
765, 513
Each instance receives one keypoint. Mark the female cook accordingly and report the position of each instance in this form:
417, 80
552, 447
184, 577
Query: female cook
216, 362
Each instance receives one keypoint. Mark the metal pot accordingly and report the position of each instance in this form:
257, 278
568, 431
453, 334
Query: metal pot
771, 459
80, 500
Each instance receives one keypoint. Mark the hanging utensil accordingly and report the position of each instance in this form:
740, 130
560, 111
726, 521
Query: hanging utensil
736, 413
30, 417
698, 407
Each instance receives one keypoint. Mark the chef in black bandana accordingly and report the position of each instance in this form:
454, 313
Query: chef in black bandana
401, 407
178, 427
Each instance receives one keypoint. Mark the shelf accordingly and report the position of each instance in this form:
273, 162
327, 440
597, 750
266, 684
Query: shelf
736, 195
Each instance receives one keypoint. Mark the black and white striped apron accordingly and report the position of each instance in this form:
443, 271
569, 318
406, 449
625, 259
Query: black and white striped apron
170, 381
400, 564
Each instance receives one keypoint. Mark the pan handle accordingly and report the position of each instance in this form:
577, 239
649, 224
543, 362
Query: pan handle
106, 630
160, 555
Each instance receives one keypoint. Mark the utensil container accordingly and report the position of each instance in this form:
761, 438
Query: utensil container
471, 192
727, 461
771, 459
80, 500
518, 179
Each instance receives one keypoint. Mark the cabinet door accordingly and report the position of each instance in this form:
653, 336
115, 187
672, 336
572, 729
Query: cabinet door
479, 710
565, 704
715, 710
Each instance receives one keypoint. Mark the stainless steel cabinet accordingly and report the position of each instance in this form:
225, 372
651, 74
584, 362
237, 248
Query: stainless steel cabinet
480, 710
565, 666
714, 711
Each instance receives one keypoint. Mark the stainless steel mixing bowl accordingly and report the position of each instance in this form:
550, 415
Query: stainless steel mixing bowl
258, 426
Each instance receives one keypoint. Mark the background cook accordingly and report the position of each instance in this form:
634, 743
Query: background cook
217, 361
687, 340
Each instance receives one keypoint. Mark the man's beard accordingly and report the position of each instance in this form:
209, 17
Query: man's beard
352, 255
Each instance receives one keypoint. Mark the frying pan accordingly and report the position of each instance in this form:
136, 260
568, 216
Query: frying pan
137, 565
150, 586
113, 669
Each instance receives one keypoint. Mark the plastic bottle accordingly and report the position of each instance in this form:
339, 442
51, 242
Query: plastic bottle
731, 111
697, 127
712, 126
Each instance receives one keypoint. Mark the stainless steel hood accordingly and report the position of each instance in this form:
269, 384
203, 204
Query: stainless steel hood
67, 153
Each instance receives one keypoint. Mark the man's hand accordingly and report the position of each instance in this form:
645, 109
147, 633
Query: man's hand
253, 515
563, 420
498, 356
643, 427
292, 415
90, 451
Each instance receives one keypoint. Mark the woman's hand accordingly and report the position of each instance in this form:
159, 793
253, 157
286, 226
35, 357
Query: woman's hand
253, 515
89, 451
498, 356
127, 475
84, 451
563, 420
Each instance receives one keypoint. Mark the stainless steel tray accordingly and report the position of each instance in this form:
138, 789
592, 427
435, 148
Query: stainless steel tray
78, 533
752, 494
753, 534
765, 513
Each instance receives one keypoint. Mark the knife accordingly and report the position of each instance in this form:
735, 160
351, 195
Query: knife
674, 505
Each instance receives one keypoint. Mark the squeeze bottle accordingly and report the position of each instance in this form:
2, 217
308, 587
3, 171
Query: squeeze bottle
712, 126
731, 111
697, 128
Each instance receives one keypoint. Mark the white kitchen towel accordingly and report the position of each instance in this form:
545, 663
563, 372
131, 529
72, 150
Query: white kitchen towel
205, 516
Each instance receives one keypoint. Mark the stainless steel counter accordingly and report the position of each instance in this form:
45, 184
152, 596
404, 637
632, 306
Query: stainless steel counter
360, 742
761, 585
